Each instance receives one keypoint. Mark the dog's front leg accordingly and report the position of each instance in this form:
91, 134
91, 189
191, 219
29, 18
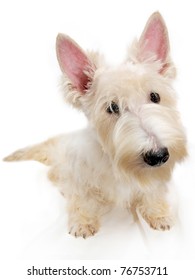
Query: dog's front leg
84, 214
156, 211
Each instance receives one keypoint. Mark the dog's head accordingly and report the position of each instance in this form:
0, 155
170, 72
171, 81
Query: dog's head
132, 107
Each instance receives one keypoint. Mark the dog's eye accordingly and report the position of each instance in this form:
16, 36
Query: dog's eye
113, 108
154, 97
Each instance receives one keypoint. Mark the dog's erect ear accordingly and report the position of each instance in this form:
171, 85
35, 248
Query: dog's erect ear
73, 62
154, 42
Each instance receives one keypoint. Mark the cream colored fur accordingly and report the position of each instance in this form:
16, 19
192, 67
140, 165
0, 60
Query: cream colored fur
102, 165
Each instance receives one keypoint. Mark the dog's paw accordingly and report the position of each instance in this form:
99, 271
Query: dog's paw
160, 223
83, 230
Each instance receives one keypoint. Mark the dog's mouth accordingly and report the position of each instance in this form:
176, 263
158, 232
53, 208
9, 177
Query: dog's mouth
156, 158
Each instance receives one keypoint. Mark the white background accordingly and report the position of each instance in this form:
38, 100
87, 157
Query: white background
33, 216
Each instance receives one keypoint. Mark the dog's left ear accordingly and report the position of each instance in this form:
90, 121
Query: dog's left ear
74, 63
154, 44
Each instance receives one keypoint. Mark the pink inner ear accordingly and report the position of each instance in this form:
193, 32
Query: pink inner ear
155, 38
73, 62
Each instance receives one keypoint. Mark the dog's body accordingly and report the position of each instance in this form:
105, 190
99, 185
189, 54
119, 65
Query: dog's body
134, 139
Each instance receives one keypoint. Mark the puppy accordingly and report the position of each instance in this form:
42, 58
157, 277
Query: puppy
134, 136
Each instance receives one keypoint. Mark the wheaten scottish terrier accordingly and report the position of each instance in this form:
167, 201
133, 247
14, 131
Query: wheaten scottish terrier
134, 138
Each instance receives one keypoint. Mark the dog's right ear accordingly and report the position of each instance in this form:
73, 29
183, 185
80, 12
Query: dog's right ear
74, 63
153, 46
154, 40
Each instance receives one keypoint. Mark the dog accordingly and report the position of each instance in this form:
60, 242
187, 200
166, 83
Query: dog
134, 138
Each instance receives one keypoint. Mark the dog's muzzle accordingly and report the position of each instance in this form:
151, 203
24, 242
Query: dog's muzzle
156, 158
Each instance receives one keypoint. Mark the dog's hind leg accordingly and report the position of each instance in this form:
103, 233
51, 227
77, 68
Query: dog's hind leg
42, 152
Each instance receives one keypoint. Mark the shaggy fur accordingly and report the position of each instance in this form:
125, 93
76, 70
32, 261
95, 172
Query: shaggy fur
127, 153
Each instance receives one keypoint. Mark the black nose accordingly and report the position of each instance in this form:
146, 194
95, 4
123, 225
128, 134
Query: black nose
156, 158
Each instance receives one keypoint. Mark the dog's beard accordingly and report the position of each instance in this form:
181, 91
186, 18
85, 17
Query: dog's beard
132, 138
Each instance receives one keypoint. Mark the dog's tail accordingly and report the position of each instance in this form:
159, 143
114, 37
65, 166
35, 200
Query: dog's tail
43, 152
